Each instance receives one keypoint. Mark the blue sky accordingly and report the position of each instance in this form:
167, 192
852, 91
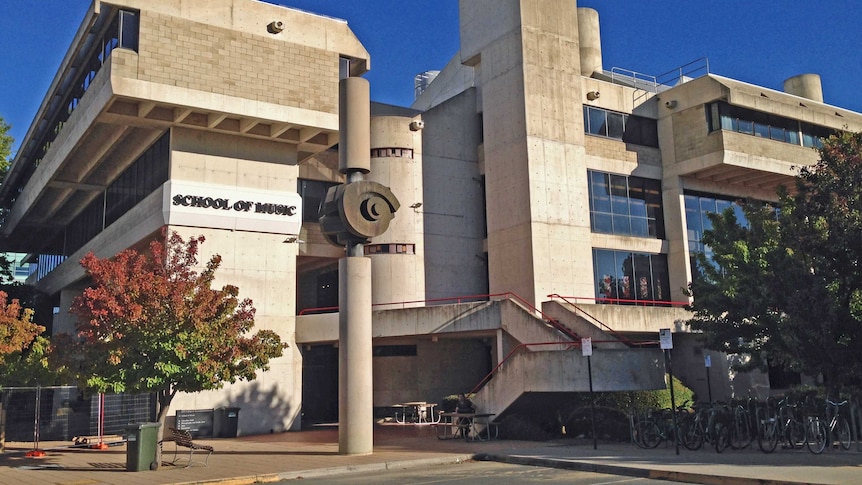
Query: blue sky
762, 42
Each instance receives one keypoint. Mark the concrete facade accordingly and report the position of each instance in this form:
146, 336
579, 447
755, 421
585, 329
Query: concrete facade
492, 165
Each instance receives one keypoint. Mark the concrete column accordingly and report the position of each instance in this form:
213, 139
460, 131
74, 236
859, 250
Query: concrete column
805, 85
590, 40
355, 383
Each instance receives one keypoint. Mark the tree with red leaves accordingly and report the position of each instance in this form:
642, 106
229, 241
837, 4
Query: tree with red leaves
150, 323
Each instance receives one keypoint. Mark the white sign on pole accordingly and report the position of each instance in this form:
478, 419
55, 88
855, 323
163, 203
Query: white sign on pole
665, 339
707, 361
587, 346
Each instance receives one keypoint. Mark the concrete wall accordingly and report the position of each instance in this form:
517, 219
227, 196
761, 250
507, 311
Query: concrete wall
453, 206
399, 277
567, 371
259, 265
439, 369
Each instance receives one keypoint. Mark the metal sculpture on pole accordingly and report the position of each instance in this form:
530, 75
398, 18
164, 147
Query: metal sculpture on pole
351, 214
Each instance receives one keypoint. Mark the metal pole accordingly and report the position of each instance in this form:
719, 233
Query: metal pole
592, 402
708, 385
672, 399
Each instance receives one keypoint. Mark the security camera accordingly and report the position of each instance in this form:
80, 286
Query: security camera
417, 125
670, 104
593, 95
275, 27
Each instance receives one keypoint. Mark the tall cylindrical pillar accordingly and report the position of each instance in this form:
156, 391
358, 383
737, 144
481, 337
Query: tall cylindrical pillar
355, 389
806, 86
355, 404
354, 125
590, 41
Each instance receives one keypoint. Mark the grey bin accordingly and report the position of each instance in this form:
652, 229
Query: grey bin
226, 421
141, 442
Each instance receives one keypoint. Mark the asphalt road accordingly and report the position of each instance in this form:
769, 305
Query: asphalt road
478, 473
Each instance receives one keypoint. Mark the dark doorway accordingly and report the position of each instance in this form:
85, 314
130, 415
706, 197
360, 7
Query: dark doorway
319, 384
327, 289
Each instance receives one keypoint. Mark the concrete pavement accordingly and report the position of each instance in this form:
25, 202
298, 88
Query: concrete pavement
267, 458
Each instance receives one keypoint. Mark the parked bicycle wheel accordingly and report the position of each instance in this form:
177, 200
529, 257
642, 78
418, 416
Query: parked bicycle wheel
692, 435
842, 433
722, 437
767, 435
816, 435
740, 436
649, 434
794, 434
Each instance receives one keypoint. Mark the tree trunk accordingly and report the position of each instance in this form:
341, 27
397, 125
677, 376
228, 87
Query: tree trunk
164, 398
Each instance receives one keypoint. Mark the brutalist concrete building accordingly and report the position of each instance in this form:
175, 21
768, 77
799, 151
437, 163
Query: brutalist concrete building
545, 197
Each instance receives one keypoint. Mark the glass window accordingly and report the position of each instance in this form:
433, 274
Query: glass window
626, 278
129, 30
697, 208
597, 121
615, 125
619, 126
629, 206
751, 122
777, 133
600, 194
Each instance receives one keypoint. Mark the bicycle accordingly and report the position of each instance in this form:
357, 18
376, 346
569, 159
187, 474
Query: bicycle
819, 434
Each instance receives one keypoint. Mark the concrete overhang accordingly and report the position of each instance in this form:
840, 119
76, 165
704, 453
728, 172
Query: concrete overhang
119, 118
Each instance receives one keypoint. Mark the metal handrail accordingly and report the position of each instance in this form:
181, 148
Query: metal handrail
674, 75
620, 74
624, 301
595, 320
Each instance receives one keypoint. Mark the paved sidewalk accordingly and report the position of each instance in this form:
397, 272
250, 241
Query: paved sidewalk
267, 458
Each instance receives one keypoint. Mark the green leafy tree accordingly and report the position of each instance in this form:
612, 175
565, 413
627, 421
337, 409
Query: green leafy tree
786, 289
151, 323
6, 142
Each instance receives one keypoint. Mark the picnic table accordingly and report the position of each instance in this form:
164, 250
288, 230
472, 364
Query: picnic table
470, 426
420, 412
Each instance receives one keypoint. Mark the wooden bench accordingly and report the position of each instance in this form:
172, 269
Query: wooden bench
183, 438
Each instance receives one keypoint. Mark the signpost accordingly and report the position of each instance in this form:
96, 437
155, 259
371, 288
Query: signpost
587, 351
707, 362
665, 339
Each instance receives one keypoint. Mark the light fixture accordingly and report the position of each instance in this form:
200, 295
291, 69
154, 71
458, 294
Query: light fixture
593, 95
275, 27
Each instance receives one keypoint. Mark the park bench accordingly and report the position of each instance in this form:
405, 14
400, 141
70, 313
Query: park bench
183, 438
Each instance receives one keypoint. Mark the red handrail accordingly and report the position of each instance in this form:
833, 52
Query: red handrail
465, 299
613, 332
612, 301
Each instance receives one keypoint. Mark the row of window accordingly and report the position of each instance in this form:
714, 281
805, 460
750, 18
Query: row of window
396, 248
391, 152
620, 126
122, 31
625, 205
697, 208
147, 173
624, 277
723, 116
